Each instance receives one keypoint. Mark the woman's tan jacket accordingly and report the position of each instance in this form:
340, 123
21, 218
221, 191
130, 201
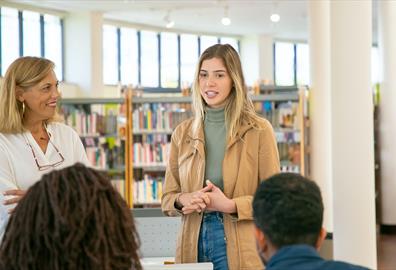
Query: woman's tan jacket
249, 158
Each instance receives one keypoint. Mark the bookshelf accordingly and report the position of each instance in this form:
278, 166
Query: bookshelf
133, 135
102, 125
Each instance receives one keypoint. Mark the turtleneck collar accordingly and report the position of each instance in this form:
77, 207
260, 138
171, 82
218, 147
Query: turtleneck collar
214, 115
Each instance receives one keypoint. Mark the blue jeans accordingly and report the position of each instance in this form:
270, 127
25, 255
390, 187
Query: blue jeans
212, 241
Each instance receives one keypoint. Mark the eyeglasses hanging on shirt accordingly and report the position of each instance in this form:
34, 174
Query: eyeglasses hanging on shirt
47, 166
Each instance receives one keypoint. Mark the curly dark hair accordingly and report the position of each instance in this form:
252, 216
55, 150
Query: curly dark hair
288, 209
71, 219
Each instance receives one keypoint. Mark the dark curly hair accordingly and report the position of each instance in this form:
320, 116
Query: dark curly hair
72, 219
288, 209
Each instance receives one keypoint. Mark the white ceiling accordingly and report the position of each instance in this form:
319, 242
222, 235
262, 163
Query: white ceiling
247, 16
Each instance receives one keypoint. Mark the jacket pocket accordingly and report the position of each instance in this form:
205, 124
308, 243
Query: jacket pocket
247, 245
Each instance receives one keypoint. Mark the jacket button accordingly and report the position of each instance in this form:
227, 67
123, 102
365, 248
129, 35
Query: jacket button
187, 141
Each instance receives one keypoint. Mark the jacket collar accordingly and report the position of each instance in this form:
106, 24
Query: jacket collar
198, 135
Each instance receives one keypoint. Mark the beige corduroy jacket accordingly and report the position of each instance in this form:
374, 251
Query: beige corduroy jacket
248, 159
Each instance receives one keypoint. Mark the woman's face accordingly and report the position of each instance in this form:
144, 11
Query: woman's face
214, 82
40, 100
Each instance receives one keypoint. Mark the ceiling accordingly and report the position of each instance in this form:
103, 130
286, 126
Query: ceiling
248, 17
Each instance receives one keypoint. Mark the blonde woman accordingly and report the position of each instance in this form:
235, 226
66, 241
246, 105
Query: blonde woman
217, 160
32, 142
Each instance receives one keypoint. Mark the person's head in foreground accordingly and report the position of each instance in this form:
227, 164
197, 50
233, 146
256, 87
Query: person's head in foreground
288, 214
71, 219
288, 210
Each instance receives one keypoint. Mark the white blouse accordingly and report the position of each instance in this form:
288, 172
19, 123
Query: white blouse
18, 168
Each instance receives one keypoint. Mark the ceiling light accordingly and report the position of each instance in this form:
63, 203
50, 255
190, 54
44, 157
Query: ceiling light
275, 17
170, 24
226, 20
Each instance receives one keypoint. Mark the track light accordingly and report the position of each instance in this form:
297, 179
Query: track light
226, 20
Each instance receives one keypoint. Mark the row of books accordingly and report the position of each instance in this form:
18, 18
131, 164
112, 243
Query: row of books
287, 136
147, 190
94, 120
281, 115
161, 117
150, 154
105, 153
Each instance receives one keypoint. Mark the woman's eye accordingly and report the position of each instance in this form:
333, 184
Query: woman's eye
203, 75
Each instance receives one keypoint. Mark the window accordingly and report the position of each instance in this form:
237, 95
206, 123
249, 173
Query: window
169, 60
207, 41
31, 34
188, 58
149, 59
284, 64
110, 58
9, 37
53, 43
302, 51
129, 56
232, 41
375, 66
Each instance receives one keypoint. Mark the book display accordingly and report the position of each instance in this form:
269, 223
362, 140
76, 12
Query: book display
101, 125
130, 137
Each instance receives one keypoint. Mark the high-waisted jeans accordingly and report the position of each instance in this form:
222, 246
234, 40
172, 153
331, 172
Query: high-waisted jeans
212, 241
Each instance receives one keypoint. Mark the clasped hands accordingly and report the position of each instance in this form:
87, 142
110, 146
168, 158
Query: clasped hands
209, 198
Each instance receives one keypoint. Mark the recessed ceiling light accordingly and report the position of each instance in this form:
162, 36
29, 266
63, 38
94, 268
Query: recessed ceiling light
275, 17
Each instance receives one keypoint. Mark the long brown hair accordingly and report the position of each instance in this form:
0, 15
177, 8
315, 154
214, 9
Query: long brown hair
239, 106
71, 219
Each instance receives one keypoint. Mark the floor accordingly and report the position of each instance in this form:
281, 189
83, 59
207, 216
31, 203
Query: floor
386, 246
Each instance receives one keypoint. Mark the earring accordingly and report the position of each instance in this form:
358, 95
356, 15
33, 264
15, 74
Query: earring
23, 107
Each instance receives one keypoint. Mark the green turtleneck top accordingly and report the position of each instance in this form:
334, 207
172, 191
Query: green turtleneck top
215, 142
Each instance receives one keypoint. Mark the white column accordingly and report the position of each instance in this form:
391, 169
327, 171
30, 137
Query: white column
257, 58
352, 132
83, 52
320, 115
387, 49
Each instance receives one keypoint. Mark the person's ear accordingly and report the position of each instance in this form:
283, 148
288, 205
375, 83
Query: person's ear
19, 94
260, 239
321, 238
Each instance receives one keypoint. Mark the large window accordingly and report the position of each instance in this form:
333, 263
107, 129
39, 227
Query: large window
110, 56
31, 34
207, 41
53, 42
129, 56
164, 61
375, 66
188, 58
169, 60
284, 64
232, 41
149, 59
41, 36
9, 37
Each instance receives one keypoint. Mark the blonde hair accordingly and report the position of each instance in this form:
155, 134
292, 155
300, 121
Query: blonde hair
24, 73
239, 106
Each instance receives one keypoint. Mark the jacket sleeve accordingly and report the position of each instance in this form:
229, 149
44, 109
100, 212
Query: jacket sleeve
268, 165
172, 181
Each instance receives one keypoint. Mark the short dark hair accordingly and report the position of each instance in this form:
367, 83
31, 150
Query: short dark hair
71, 219
288, 209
